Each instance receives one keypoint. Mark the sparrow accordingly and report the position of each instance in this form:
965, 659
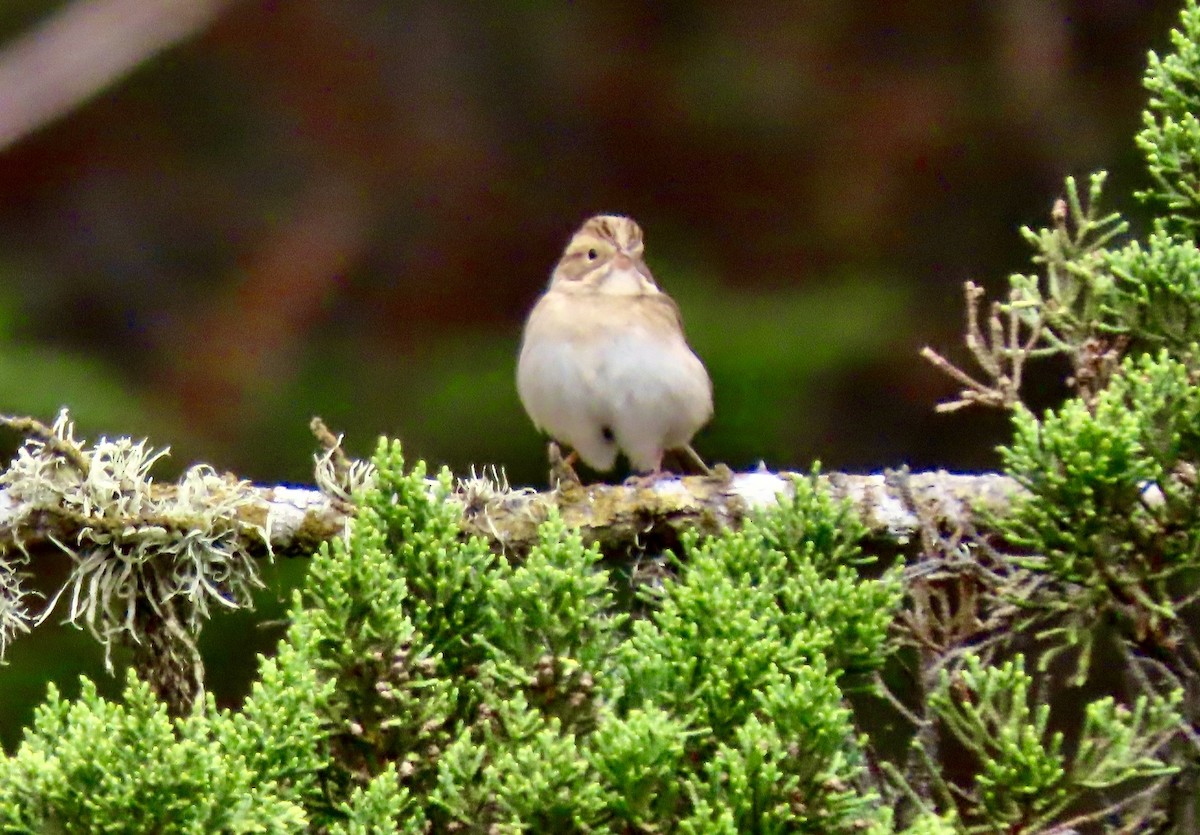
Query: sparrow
604, 366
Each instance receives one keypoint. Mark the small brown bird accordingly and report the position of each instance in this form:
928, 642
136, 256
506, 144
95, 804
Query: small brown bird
604, 365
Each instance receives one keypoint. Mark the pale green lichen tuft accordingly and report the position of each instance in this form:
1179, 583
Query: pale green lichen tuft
487, 495
340, 477
178, 549
14, 617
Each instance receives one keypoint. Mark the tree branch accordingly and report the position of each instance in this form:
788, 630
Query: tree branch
151, 560
620, 518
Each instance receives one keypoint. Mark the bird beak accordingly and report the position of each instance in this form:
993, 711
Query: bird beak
623, 262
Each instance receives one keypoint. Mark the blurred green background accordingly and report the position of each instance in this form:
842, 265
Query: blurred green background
218, 219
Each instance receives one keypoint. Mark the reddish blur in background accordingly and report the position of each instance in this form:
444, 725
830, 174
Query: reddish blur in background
218, 219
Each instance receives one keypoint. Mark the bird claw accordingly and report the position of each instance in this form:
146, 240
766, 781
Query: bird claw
647, 480
720, 474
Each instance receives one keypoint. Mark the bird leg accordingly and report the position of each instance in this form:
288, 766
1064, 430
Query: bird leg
644, 480
690, 461
682, 461
562, 469
689, 458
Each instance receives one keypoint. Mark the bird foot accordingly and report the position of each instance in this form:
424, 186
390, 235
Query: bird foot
721, 474
646, 480
562, 471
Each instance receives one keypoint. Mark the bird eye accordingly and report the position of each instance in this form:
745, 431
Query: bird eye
592, 255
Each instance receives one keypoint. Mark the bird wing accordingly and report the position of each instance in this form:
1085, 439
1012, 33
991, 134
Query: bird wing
661, 309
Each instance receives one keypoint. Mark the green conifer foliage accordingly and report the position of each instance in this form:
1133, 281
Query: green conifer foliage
427, 683
94, 766
1170, 135
775, 678
1102, 549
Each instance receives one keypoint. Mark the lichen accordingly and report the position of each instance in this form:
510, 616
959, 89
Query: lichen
171, 551
336, 474
486, 495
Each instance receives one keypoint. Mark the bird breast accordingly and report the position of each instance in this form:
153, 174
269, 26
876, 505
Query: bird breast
603, 373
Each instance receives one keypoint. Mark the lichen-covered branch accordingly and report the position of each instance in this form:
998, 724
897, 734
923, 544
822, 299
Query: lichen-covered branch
620, 518
151, 559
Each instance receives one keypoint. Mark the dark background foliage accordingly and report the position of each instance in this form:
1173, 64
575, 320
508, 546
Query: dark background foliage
346, 208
